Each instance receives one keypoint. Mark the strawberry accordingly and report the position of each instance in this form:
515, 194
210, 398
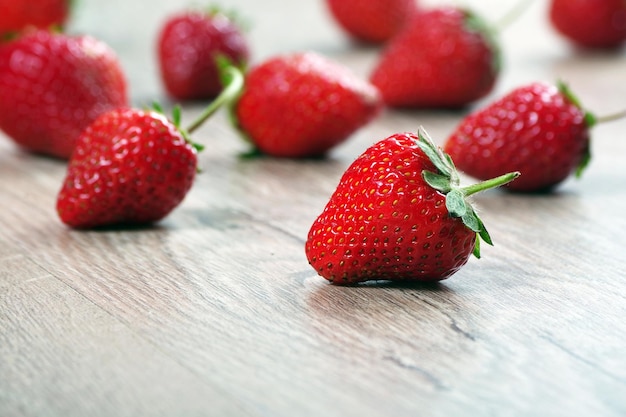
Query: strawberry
590, 23
303, 104
53, 85
539, 130
445, 57
371, 21
16, 15
188, 45
398, 213
132, 167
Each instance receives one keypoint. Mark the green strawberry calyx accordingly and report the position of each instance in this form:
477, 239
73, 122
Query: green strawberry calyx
476, 23
590, 121
491, 30
233, 80
236, 18
446, 180
175, 119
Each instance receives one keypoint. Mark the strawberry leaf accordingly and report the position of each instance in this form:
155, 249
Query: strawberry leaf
484, 234
156, 106
456, 205
471, 220
476, 251
590, 118
197, 146
437, 181
433, 153
176, 116
590, 121
584, 162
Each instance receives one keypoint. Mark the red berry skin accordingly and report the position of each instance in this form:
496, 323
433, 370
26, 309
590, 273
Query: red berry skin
371, 21
52, 86
130, 167
535, 129
188, 46
442, 59
16, 15
302, 105
590, 23
384, 222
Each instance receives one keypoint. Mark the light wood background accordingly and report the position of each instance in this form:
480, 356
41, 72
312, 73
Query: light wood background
215, 311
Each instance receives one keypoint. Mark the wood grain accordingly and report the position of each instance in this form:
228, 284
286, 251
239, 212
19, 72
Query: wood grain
215, 311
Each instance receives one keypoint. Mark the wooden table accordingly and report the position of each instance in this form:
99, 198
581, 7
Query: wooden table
215, 311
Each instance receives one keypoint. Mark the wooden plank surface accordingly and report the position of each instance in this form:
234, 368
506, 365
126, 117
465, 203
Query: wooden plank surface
215, 310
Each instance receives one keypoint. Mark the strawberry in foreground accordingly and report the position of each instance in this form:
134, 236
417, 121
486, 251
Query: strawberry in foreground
444, 58
371, 21
590, 23
302, 105
188, 46
398, 214
132, 167
53, 85
16, 15
539, 130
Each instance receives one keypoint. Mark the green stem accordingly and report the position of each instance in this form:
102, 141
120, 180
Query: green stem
229, 93
611, 117
511, 16
488, 184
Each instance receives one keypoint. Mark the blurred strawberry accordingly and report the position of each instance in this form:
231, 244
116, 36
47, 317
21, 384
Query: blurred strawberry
53, 85
303, 104
372, 21
16, 15
590, 23
188, 46
445, 57
539, 129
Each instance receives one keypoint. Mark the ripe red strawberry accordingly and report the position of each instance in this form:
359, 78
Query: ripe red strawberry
53, 85
539, 130
303, 104
132, 167
16, 15
372, 21
398, 214
188, 45
445, 57
590, 23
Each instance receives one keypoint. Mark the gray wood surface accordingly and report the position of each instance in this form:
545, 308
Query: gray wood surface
215, 311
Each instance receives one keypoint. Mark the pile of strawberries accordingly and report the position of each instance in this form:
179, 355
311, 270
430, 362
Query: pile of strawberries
399, 211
